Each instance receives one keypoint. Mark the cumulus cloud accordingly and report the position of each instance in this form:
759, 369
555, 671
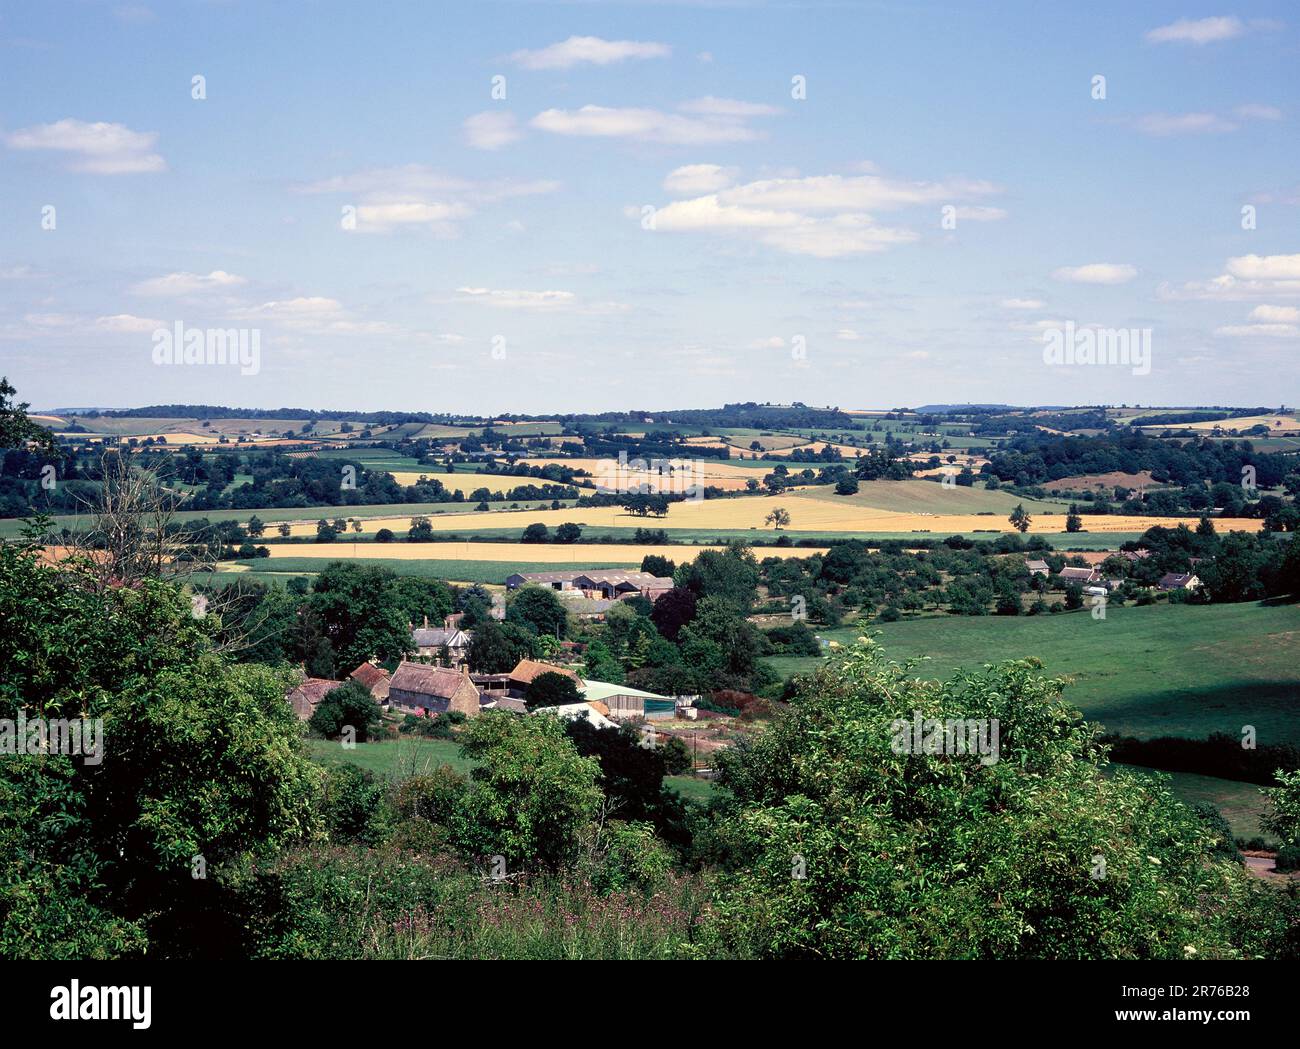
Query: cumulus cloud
699, 178
1096, 273
1023, 304
826, 216
1276, 314
588, 50
1164, 125
97, 149
647, 125
177, 284
491, 130
1197, 31
129, 324
415, 196
1246, 277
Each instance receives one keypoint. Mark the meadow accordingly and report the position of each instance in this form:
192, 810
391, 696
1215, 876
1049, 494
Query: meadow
1158, 670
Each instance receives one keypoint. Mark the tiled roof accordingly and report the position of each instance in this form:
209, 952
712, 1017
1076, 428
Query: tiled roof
428, 681
526, 670
369, 675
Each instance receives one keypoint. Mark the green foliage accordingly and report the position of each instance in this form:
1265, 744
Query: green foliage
552, 690
530, 797
1036, 855
349, 706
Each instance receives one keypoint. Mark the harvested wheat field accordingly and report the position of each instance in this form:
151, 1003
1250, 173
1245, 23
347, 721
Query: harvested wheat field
466, 482
809, 512
547, 553
715, 473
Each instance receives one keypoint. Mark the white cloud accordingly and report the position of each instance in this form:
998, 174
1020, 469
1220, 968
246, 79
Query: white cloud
1265, 267
1164, 125
1259, 331
415, 196
97, 149
1096, 273
491, 130
979, 213
1276, 314
1198, 31
1258, 111
1023, 304
699, 178
590, 50
547, 300
727, 107
129, 324
826, 216
187, 283
648, 125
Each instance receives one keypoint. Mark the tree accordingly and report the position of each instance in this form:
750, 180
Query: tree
530, 797
1020, 518
538, 609
847, 485
658, 565
349, 706
16, 429
360, 613
909, 852
1073, 522
779, 518
255, 527
674, 610
284, 529
384, 535
535, 533
201, 759
552, 689
568, 533
497, 647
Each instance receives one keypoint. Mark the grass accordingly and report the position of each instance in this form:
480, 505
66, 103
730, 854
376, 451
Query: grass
405, 757
460, 571
1160, 670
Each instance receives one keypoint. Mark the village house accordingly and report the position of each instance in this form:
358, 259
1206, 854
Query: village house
374, 679
430, 642
1071, 574
1178, 581
1038, 568
417, 688
306, 697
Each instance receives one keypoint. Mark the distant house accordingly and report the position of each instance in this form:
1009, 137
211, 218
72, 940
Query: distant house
1080, 575
1135, 555
1038, 568
416, 688
374, 679
611, 584
306, 697
1178, 581
528, 670
625, 703
430, 641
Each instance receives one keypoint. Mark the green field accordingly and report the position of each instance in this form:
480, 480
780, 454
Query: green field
918, 496
1175, 670
458, 571
1241, 804
406, 757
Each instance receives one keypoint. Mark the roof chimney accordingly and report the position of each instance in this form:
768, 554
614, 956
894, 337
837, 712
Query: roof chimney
426, 622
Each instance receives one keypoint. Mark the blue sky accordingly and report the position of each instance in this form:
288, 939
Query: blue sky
649, 218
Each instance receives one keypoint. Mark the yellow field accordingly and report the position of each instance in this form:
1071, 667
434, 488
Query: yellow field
807, 512
1275, 424
714, 473
548, 553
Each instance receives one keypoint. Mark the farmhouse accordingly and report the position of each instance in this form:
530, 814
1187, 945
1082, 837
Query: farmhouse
1080, 575
1178, 581
1038, 568
374, 679
307, 696
430, 641
419, 689
610, 584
